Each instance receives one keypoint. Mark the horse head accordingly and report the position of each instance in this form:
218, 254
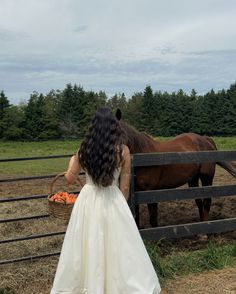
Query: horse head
138, 142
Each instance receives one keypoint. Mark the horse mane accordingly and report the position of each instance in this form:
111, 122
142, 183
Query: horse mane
147, 135
138, 142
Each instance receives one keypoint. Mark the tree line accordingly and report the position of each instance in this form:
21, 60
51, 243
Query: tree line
66, 113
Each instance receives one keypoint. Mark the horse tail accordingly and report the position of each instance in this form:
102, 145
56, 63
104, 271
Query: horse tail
228, 167
210, 140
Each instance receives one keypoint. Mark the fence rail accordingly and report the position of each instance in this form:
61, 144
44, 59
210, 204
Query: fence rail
29, 258
31, 237
165, 158
155, 196
140, 197
34, 158
9, 180
22, 198
190, 229
16, 219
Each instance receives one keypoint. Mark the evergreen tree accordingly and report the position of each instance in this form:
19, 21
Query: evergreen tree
4, 103
196, 112
13, 123
159, 110
94, 101
209, 111
197, 115
225, 105
72, 111
134, 110
185, 111
50, 120
34, 124
231, 111
148, 116
166, 118
117, 101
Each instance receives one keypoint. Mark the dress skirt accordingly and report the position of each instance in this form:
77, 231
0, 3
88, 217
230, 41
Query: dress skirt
103, 252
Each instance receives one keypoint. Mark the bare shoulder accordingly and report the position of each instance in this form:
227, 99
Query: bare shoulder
126, 151
125, 155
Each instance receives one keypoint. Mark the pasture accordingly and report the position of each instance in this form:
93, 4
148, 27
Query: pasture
24, 275
28, 149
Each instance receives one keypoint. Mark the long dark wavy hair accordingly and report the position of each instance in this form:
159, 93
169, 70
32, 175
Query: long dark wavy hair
100, 151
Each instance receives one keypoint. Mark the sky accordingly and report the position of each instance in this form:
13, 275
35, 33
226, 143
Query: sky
117, 46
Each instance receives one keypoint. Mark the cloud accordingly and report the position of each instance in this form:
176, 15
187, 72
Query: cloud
81, 29
201, 70
116, 45
10, 35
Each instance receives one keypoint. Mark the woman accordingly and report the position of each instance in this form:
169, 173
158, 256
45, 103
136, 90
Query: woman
103, 252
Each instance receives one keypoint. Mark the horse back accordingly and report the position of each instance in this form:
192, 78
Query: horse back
187, 142
175, 175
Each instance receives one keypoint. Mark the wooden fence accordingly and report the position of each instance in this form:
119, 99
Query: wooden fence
155, 196
26, 218
140, 160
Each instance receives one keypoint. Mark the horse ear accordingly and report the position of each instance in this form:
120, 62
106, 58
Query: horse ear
118, 114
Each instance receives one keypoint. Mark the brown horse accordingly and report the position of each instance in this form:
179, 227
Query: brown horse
173, 176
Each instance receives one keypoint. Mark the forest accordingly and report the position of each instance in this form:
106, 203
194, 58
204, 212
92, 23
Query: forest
62, 114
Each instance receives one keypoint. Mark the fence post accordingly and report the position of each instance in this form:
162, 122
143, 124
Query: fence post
131, 194
134, 208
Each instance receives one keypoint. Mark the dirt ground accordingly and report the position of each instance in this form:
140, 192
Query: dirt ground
36, 277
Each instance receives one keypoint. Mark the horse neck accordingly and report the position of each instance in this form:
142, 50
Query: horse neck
138, 142
142, 143
152, 144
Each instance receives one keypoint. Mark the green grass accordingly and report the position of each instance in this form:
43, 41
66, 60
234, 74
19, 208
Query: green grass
27, 149
225, 143
42, 167
7, 291
182, 263
222, 143
30, 149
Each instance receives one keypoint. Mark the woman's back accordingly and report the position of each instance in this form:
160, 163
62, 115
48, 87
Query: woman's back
115, 182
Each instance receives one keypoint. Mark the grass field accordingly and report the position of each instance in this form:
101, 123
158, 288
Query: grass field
41, 167
30, 149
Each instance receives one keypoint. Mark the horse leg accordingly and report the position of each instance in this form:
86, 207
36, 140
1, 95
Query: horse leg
195, 183
206, 181
152, 208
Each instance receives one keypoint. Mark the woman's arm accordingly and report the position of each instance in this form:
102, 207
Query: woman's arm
73, 169
125, 173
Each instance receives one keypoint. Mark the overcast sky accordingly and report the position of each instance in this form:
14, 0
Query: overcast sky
116, 45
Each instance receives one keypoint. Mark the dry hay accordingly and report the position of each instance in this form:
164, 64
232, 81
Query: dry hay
216, 282
29, 277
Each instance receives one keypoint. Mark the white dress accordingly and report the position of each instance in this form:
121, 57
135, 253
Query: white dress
103, 252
